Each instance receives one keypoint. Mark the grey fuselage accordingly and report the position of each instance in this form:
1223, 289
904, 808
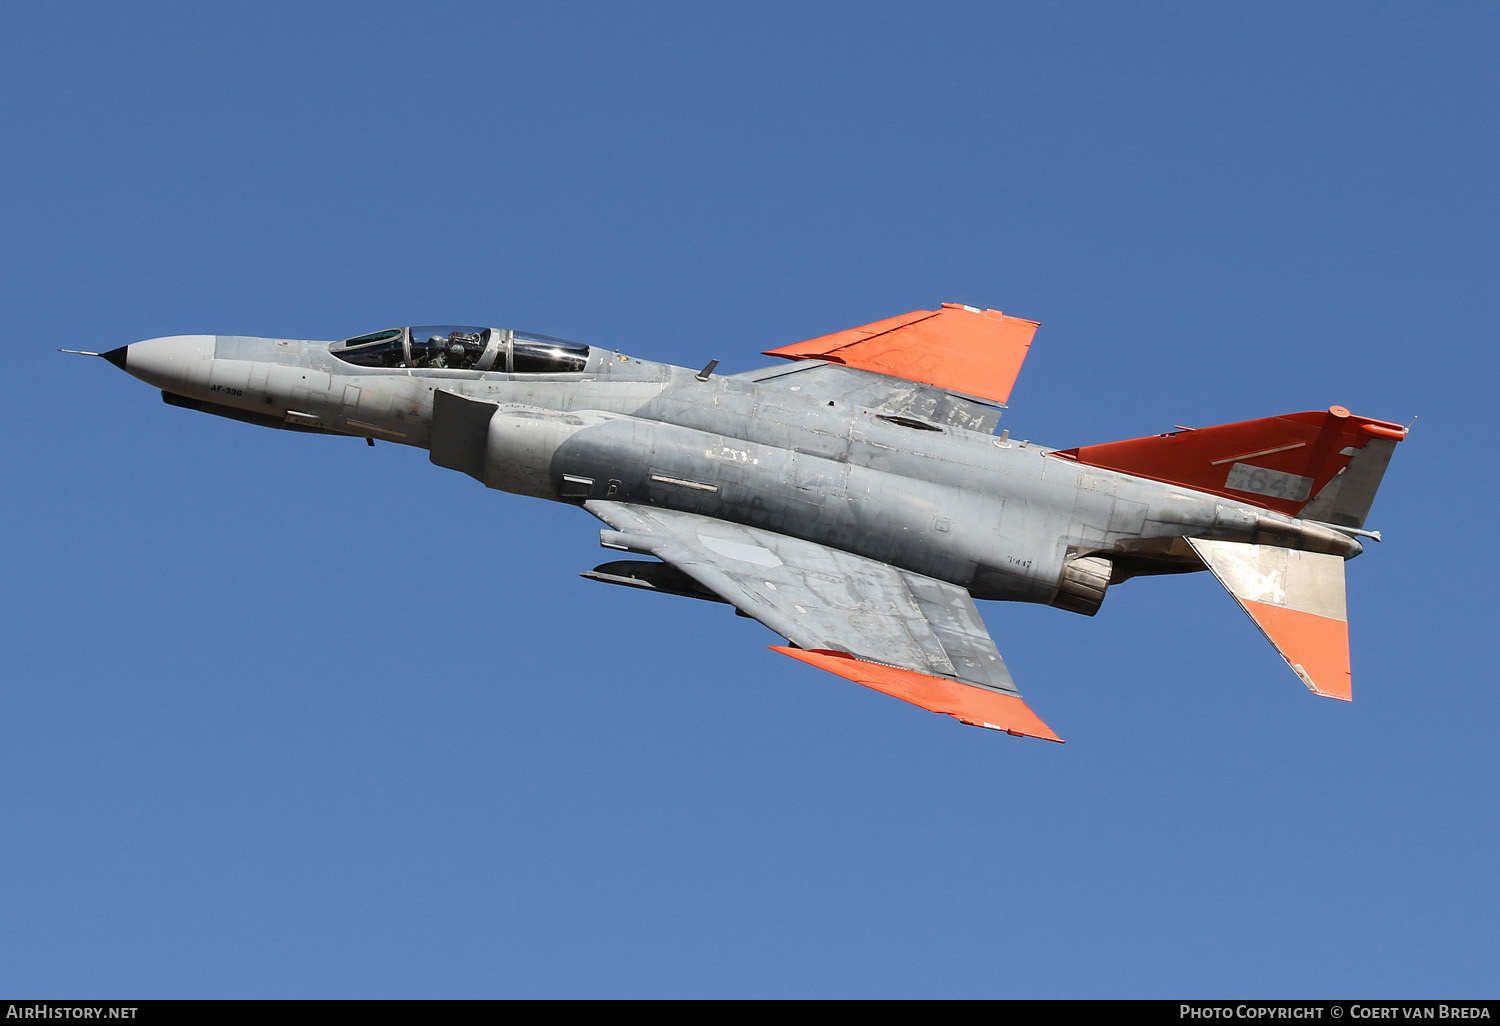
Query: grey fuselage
770, 449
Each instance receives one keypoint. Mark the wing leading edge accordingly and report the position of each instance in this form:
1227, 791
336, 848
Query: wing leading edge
916, 638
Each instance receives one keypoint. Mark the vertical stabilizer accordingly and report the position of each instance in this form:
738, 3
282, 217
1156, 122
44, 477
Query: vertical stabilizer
1318, 465
1297, 599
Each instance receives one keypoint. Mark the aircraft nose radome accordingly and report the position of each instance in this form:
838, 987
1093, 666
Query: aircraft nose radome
167, 361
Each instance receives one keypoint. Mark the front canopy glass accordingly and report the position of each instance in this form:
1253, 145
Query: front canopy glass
377, 349
455, 347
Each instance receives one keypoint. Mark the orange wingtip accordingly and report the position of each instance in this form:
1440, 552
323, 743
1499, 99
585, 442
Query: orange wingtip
960, 348
1316, 647
978, 707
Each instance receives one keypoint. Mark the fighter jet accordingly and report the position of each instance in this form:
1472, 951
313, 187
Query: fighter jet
855, 499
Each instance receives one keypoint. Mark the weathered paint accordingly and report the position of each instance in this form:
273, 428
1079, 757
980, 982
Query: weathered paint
883, 501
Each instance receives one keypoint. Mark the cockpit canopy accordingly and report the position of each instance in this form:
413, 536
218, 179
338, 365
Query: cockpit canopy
456, 347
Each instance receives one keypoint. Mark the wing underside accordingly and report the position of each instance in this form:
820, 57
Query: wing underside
910, 636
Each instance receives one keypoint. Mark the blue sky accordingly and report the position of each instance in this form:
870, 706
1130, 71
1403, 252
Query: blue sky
287, 716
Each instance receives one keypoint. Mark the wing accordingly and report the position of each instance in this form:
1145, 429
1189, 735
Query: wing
918, 639
894, 396
975, 352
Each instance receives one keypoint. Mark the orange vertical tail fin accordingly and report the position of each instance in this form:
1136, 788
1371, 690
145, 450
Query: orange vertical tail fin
1280, 463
